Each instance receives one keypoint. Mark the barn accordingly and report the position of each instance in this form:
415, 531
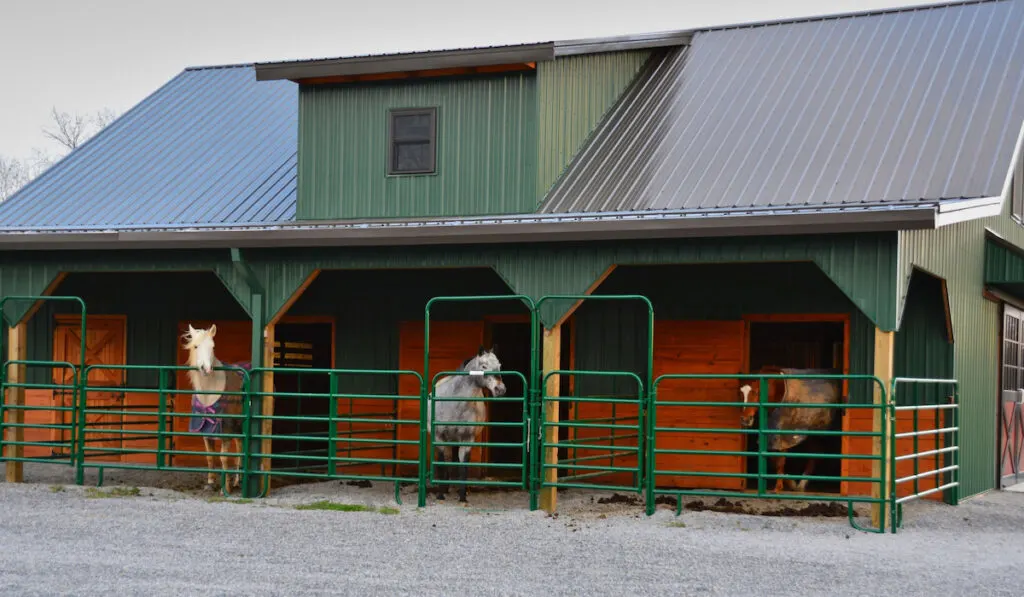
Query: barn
636, 222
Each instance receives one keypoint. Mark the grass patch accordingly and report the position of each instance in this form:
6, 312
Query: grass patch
221, 499
114, 492
326, 505
336, 507
678, 525
57, 489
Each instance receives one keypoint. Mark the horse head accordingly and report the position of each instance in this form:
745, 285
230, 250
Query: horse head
199, 343
750, 390
487, 360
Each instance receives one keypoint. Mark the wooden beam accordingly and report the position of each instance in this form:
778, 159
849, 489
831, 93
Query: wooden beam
590, 290
291, 299
552, 357
267, 427
16, 351
884, 371
50, 289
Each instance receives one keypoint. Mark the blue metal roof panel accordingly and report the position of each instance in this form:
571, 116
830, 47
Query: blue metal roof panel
212, 146
915, 105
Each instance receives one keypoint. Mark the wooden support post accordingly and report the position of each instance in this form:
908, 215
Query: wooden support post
552, 357
884, 370
16, 351
267, 428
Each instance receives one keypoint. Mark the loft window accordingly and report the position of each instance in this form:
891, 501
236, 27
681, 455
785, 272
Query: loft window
413, 140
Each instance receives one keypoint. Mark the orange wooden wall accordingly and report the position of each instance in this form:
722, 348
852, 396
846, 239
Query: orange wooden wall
451, 343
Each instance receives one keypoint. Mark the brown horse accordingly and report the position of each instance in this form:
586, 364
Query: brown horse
793, 391
207, 407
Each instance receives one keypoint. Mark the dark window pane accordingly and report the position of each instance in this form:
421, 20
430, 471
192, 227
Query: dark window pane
412, 126
413, 157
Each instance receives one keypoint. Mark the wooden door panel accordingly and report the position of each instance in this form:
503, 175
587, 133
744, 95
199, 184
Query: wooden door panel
105, 345
451, 343
712, 347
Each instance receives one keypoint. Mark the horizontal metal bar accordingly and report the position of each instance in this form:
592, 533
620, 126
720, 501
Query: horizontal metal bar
56, 409
335, 477
632, 489
928, 453
151, 467
599, 438
502, 424
930, 473
753, 404
366, 461
54, 426
66, 444
478, 444
776, 496
630, 401
571, 425
927, 432
594, 447
585, 467
927, 407
610, 456
921, 494
496, 465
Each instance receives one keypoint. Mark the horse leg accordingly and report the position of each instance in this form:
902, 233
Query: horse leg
442, 472
208, 444
225, 448
808, 469
780, 469
238, 461
463, 471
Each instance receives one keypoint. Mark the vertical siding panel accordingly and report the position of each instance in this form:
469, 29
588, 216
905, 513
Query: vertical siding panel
573, 94
486, 152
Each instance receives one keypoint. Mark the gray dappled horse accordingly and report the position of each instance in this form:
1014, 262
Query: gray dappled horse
467, 411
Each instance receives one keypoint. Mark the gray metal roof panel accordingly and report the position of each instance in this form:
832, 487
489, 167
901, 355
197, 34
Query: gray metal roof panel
920, 104
212, 146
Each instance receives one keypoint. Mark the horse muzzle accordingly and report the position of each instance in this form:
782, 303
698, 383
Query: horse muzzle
746, 421
499, 390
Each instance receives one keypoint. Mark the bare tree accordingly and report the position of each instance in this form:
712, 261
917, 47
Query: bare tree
69, 131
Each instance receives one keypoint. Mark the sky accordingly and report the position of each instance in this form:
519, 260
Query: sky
83, 56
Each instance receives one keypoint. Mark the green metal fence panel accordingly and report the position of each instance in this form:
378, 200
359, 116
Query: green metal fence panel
522, 466
762, 433
943, 425
600, 436
58, 417
358, 435
145, 437
67, 390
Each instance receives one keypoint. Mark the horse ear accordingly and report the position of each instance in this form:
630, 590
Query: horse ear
494, 349
481, 352
213, 330
191, 330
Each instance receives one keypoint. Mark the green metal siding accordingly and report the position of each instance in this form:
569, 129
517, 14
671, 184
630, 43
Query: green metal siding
956, 253
923, 346
486, 149
29, 273
153, 303
862, 265
573, 95
612, 335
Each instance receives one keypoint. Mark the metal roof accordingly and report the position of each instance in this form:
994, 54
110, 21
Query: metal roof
463, 57
212, 146
921, 104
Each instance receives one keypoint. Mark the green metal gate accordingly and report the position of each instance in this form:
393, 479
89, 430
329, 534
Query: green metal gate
62, 427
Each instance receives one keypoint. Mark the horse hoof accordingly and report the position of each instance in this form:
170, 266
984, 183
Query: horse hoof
440, 497
209, 487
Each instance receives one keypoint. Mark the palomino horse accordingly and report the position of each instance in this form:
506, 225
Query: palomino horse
469, 411
206, 407
793, 391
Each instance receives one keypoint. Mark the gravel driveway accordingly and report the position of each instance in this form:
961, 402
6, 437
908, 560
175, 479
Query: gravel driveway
64, 539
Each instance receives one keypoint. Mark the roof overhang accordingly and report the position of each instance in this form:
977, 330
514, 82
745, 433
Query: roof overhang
504, 229
438, 61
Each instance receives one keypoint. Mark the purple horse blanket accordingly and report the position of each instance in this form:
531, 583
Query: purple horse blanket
204, 418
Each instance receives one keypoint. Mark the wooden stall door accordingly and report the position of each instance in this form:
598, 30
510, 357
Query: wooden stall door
451, 343
713, 347
233, 344
104, 345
